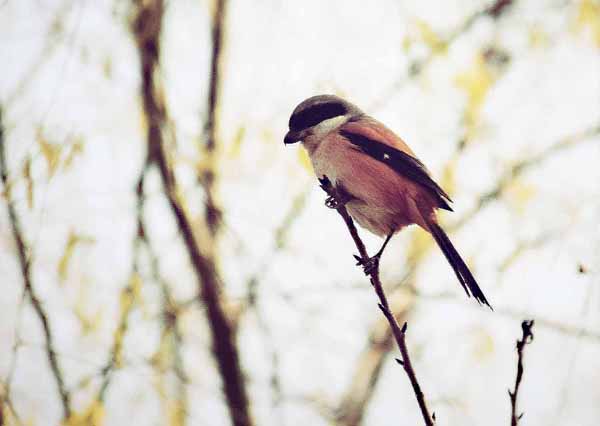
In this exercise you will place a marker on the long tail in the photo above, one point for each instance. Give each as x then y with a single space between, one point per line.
460 268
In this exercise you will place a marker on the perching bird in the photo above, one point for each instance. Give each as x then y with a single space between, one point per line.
385 186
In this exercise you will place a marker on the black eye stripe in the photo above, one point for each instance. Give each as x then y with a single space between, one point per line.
316 114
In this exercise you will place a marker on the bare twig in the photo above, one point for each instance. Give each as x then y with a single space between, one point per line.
252 301
52 41
116 351
399 333
208 174
147 27
520 167
527 337
28 291
351 409
170 322
495 10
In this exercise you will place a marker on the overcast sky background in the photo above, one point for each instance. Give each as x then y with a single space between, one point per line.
69 77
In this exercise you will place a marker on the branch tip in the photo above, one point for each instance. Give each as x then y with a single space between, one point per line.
526 338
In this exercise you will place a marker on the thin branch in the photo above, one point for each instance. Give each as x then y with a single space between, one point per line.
281 235
549 324
146 27
25 264
13 361
351 409
526 326
495 10
51 43
170 322
207 177
520 167
114 362
280 241
399 333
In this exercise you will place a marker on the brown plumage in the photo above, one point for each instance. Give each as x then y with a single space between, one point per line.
388 187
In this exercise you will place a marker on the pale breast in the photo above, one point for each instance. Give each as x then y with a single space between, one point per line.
380 195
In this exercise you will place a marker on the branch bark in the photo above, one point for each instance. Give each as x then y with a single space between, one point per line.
146 28
398 333
367 371
207 176
527 338
28 291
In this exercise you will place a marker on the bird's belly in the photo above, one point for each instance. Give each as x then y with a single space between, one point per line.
324 168
379 221
381 198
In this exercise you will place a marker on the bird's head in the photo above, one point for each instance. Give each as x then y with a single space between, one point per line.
317 116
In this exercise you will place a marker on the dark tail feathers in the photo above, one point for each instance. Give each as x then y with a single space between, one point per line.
460 268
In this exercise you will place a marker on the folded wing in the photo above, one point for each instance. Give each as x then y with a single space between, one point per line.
401 162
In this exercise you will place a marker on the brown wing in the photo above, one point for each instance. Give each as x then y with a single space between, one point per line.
371 143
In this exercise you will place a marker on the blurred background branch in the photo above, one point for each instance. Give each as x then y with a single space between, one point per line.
147 28
25 256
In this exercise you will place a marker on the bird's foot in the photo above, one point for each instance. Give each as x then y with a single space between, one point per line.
370 266
334 203
325 184
337 196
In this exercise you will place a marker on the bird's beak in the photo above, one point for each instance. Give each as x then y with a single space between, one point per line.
292 137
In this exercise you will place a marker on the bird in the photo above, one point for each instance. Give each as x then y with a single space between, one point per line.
377 177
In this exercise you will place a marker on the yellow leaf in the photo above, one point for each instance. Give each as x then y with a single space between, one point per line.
89 323
93 415
176 413
236 145
130 294
142 119
484 345
419 245
75 150
267 136
28 181
448 177
8 416
107 67
161 359
476 82
588 18
430 38
304 160
73 240
7 191
519 194
538 37
407 43
50 151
